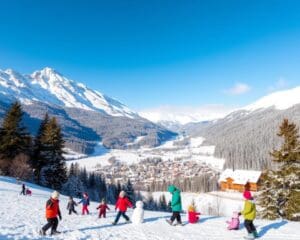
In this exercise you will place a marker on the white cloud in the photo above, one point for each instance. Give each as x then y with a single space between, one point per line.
282 83
238 89
185 115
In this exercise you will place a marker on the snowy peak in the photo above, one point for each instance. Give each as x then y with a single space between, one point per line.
279 100
49 86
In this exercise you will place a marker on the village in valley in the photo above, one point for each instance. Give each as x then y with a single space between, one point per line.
153 171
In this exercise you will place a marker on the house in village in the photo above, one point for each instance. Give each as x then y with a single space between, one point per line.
239 180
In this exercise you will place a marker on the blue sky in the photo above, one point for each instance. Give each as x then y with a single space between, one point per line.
155 53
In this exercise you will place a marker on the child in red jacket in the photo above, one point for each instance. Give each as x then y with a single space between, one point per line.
122 204
52 211
193 215
103 206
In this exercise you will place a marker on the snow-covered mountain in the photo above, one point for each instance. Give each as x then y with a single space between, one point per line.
176 118
279 100
51 87
171 116
86 116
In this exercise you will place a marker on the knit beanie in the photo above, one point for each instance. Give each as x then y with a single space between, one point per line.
247 195
55 195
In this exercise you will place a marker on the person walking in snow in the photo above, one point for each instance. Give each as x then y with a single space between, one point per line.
71 206
52 211
122 204
102 209
175 205
85 203
249 214
23 192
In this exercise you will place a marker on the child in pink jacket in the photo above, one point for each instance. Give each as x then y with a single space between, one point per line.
234 224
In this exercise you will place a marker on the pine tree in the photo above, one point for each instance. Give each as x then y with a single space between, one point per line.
284 183
54 173
163 203
128 188
268 197
14 138
38 159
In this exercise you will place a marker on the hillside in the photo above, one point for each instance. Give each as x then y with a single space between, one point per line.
245 137
22 216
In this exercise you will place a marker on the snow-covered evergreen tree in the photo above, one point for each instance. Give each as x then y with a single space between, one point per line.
268 197
282 187
38 159
54 173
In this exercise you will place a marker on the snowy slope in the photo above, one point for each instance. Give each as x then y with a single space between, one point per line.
280 100
21 217
49 86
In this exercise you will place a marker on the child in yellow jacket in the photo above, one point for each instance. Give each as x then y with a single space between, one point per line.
249 214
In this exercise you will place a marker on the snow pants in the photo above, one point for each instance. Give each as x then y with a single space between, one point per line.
102 213
72 210
85 209
52 223
176 215
249 226
121 214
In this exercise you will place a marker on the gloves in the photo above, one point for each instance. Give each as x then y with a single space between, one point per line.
239 214
60 218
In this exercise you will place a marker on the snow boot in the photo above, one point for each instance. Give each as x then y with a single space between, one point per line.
250 236
42 232
170 222
113 223
55 232
255 234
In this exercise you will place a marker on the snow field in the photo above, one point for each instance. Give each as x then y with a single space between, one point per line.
21 217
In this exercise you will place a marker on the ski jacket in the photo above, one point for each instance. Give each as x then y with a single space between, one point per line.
234 224
85 201
103 207
176 198
249 211
52 208
71 205
193 217
123 203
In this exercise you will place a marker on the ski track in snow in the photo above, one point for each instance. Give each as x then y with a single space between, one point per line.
21 217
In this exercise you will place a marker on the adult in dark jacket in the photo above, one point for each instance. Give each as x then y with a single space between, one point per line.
52 211
71 206
23 192
175 205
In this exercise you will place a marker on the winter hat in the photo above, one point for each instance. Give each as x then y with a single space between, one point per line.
55 195
139 204
191 208
122 194
247 195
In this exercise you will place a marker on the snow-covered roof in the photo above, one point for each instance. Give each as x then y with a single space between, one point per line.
240 176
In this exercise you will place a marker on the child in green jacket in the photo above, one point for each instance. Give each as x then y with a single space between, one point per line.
175 205
249 213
